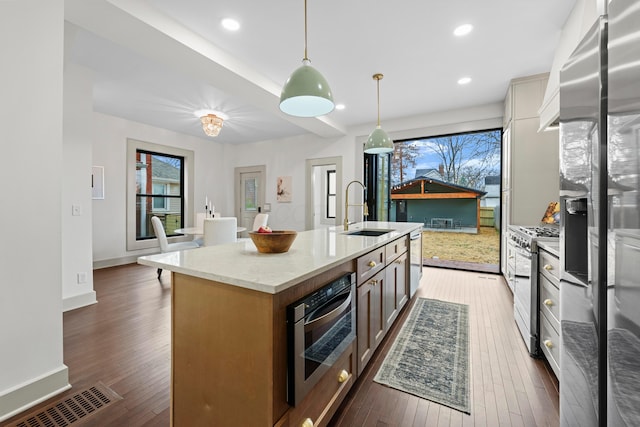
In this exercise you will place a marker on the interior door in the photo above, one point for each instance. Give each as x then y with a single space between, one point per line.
250 192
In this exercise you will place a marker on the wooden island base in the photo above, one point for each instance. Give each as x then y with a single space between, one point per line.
229 356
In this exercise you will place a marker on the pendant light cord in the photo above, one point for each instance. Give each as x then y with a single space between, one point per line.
377 77
305 31
378 82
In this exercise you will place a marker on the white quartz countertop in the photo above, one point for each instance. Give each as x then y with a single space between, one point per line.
313 252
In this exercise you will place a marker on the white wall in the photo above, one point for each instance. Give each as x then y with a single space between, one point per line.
109 150
76 190
31 359
286 157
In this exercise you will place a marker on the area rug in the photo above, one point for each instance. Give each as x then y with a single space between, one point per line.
430 356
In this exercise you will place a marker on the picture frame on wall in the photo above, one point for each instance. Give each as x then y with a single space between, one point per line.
97 182
283 189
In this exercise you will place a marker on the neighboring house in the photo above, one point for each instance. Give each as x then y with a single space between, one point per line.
436 203
492 188
165 179
430 173
159 178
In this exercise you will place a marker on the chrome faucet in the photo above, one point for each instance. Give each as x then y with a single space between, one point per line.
365 209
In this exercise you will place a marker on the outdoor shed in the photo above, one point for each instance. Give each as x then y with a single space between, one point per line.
437 204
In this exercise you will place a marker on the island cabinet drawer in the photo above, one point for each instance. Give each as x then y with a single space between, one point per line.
394 249
550 344
550 301
370 264
325 398
549 266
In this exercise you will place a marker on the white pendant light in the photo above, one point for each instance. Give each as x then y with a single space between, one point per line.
378 142
306 93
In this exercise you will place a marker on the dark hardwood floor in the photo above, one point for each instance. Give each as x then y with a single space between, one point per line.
508 387
124 342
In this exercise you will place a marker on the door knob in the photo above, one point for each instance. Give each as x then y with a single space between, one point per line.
548 302
372 264
307 423
343 376
548 343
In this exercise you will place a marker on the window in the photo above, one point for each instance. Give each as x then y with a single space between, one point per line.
159 203
159 183
331 193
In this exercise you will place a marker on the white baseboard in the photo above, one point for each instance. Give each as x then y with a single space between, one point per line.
27 395
114 262
77 301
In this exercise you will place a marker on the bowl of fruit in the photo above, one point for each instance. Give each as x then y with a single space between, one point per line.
270 241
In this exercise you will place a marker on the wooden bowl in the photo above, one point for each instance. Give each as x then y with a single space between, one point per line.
276 242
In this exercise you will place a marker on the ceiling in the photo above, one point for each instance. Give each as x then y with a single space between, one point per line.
158 61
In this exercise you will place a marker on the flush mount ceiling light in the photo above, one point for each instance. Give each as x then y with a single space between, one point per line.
211 124
464 80
306 93
378 142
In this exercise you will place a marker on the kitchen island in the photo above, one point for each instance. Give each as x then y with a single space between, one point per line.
229 335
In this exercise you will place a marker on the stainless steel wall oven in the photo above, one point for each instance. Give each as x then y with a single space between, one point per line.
320 327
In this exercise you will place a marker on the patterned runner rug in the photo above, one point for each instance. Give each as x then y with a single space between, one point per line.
430 356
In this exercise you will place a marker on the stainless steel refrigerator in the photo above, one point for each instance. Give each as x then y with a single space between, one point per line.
600 224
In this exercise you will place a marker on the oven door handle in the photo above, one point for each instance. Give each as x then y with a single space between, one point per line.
325 318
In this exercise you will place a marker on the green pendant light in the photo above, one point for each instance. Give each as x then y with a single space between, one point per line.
378 142
306 93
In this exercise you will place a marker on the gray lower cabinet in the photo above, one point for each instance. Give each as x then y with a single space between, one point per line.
549 282
382 292
395 289
370 324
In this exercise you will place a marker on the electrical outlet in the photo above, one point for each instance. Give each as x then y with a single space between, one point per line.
76 210
82 278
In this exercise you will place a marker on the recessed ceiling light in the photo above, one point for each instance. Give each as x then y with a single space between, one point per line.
463 30
464 80
339 106
230 24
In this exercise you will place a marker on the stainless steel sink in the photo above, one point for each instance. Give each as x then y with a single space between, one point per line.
371 232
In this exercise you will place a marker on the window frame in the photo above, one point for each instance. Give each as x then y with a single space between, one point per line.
133 146
329 194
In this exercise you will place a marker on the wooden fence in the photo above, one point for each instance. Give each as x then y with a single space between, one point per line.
486 217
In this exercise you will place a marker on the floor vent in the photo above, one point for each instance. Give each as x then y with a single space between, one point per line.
70 409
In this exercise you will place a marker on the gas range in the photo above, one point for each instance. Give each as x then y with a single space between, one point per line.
522 278
526 236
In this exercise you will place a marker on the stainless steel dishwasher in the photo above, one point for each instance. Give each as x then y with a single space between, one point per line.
415 255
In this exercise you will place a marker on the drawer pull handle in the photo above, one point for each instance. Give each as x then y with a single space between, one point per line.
548 302
548 267
511 256
307 423
372 264
343 376
548 343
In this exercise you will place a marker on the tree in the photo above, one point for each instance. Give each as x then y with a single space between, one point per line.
404 156
467 158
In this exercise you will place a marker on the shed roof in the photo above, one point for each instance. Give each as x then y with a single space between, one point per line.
429 188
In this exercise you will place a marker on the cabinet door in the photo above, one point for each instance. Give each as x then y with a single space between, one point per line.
395 289
402 281
370 322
